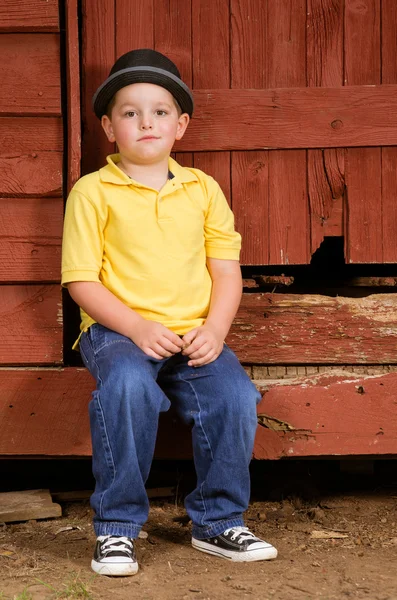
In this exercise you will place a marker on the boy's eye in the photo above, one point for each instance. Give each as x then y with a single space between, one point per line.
161 113
130 113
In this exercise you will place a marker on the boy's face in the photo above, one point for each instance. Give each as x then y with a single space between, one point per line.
144 123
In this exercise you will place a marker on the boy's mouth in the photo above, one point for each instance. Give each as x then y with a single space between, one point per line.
148 137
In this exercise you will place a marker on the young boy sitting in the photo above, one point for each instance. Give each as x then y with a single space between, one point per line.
150 255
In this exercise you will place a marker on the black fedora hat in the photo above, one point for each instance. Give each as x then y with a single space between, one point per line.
143 66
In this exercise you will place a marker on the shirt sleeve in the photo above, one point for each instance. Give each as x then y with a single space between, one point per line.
82 244
221 239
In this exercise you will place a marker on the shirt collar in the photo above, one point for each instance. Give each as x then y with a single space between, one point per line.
112 174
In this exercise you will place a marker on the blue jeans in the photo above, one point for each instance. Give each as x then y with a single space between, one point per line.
218 400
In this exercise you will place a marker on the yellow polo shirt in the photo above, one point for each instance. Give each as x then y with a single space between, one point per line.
149 247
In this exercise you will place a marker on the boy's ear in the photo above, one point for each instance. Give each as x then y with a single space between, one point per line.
183 122
108 128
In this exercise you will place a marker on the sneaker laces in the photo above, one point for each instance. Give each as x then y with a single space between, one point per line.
243 533
116 544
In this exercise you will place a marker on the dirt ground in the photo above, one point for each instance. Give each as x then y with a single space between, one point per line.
354 555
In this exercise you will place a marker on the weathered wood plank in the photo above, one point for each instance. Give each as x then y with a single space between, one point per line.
288 208
98 55
250 170
134 24
31 174
30 325
312 329
216 164
389 155
363 242
288 205
31 156
172 27
30 240
172 31
44 412
351 116
30 135
250 176
29 15
211 37
30 74
27 505
325 167
73 93
330 417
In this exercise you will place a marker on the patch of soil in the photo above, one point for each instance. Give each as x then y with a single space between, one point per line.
357 560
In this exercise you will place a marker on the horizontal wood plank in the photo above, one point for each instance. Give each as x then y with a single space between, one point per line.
313 329
30 240
31 156
30 74
30 325
29 15
292 118
329 416
44 412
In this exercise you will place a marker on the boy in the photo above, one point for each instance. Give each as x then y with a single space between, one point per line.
151 257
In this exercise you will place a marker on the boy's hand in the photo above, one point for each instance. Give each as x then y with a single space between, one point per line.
203 345
155 339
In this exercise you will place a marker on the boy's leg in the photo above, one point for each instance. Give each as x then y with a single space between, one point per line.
124 414
220 400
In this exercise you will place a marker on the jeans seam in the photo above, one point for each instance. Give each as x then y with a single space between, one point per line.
98 350
208 442
107 437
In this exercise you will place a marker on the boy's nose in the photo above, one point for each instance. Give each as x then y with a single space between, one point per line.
146 122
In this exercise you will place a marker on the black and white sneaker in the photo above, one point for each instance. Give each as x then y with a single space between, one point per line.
114 555
236 543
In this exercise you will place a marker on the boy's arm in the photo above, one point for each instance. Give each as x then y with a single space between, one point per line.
205 343
105 308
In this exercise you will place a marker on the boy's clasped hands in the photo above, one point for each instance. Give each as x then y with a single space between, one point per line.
202 344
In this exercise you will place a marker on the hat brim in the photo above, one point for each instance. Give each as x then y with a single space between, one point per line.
120 79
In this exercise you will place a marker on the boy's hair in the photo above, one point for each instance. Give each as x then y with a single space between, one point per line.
142 66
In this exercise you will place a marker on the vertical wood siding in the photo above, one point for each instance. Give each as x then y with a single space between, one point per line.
286 197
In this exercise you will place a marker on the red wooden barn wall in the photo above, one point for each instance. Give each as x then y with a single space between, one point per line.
300 78
31 174
296 117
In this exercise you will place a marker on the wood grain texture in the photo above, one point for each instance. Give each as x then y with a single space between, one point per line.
216 164
351 116
312 329
30 240
250 176
31 156
172 26
363 243
211 68
134 25
173 34
29 135
329 417
325 168
389 155
44 412
250 170
98 55
288 204
29 15
30 74
30 325
73 93
289 225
